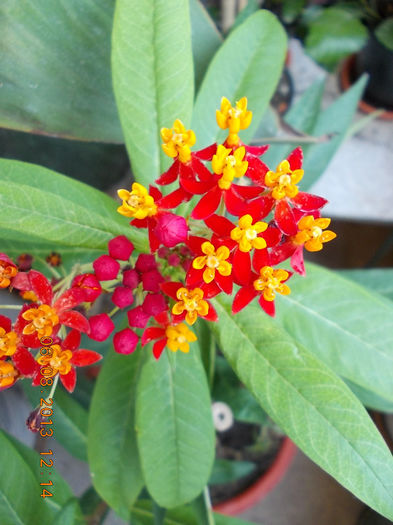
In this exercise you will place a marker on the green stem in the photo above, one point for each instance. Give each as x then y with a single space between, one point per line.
112 312
208 505
10 306
52 390
291 140
49 267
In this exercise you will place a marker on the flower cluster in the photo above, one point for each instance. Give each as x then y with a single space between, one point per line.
244 220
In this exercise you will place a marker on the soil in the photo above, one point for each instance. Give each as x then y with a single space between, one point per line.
238 443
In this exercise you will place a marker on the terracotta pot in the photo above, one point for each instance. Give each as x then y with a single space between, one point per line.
348 76
266 483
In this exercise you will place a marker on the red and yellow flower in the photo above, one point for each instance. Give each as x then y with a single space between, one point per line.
233 118
189 303
8 270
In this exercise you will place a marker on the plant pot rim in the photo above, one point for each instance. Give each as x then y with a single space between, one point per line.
345 83
266 483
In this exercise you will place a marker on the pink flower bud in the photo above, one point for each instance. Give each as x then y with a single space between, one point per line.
154 304
90 285
122 296
174 260
106 268
171 229
120 248
145 263
163 252
125 341
130 279
151 281
137 317
101 327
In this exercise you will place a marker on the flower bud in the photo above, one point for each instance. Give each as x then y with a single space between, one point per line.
122 297
125 341
145 263
137 317
130 279
101 327
171 229
90 285
120 248
151 281
154 304
106 268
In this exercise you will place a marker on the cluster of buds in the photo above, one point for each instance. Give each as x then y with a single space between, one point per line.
191 260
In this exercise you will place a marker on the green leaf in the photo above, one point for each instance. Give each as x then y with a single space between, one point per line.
379 280
142 512
69 417
69 514
370 399
152 77
20 490
347 326
206 39
384 33
174 427
328 46
251 8
309 402
56 69
112 448
249 64
226 471
55 209
331 124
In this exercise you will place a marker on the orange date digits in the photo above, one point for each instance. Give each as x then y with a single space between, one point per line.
44 339
44 432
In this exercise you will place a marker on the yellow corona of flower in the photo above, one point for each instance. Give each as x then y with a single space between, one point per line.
214 260
137 203
29 295
58 360
7 272
192 302
283 181
233 118
270 282
42 320
246 234
8 373
229 165
311 233
178 141
8 342
179 337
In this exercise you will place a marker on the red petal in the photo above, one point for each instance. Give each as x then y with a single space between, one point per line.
25 362
247 192
200 169
211 314
297 261
162 318
154 242
194 277
72 341
198 188
272 236
225 283
75 320
282 252
243 297
295 159
21 281
84 357
241 266
195 243
152 333
208 204
257 150
206 153
140 223
41 286
170 288
210 290
261 258
307 202
5 323
170 175
256 170
155 193
221 226
158 347
172 200
267 306
285 220
69 299
69 380
233 203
